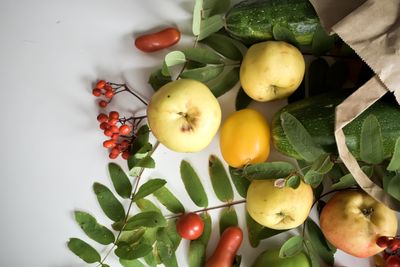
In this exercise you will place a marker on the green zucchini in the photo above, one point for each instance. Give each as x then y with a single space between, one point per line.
253 21
317 114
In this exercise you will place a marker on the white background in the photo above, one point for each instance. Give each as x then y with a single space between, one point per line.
51 51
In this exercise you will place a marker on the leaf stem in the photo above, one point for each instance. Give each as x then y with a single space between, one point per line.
137 181
229 204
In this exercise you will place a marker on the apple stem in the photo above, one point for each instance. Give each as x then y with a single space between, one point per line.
229 204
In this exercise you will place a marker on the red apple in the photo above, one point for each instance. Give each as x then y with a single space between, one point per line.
353 221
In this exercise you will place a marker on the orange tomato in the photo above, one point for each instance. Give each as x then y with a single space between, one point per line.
245 138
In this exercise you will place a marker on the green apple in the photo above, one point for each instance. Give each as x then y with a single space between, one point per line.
278 207
184 115
271 70
270 258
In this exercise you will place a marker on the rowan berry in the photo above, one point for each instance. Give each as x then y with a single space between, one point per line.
115 136
96 92
112 121
108 132
104 125
109 94
112 156
103 104
109 143
115 151
124 129
102 117
114 115
125 155
114 129
100 84
124 144
108 87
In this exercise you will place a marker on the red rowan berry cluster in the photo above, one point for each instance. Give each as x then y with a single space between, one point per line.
391 255
121 131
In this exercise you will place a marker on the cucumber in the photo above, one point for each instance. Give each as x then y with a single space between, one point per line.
253 21
317 114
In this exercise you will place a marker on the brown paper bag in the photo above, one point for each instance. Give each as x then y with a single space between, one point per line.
372 29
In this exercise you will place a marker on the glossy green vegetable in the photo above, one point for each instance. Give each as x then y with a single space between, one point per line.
253 21
317 114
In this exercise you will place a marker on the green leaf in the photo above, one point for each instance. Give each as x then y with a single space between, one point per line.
320 167
321 42
105 265
197 248
227 218
345 182
318 242
394 164
213 7
198 7
131 252
205 236
242 100
83 250
165 249
141 141
293 181
240 182
224 45
146 162
172 59
169 200
92 229
172 234
317 191
219 179
317 74
120 180
202 55
348 179
311 254
193 184
149 219
291 247
282 33
225 83
109 203
150 259
210 25
197 254
132 237
131 263
203 74
371 145
299 138
393 187
157 79
148 188
269 170
256 232
146 205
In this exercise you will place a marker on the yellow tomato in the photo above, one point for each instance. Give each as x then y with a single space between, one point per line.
244 138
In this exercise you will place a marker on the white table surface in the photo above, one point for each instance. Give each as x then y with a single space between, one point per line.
50 53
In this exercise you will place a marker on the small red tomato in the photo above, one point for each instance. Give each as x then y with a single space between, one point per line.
393 261
158 40
190 226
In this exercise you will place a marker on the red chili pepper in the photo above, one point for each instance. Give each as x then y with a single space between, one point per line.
158 40
228 245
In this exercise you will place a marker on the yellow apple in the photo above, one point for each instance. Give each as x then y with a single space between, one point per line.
184 115
278 207
271 70
352 221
